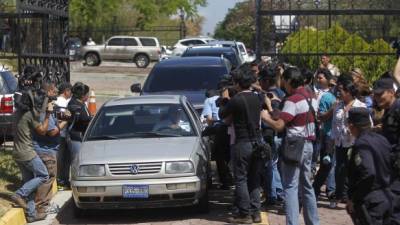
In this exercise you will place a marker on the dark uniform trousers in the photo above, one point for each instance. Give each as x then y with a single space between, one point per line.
376 209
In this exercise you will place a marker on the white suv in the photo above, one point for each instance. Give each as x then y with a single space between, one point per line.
183 44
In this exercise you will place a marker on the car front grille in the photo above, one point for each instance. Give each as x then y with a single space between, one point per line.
120 169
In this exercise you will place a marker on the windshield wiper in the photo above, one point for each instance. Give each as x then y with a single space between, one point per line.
103 137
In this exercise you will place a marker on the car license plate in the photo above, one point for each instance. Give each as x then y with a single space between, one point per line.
135 191
71 52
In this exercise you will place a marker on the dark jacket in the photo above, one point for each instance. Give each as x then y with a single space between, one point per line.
80 115
369 167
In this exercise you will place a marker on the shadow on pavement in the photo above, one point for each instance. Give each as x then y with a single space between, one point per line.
220 202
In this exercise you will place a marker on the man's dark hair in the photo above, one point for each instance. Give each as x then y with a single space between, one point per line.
244 77
63 87
268 75
79 90
348 85
307 75
327 73
294 77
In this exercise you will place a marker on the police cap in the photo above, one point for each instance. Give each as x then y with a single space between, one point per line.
359 116
383 84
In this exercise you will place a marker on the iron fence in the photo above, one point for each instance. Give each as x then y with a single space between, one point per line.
320 24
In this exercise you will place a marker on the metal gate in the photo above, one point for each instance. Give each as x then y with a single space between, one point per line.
36 34
351 31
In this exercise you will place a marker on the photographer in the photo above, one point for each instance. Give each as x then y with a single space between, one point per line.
244 111
298 119
33 170
64 155
273 186
46 146
80 114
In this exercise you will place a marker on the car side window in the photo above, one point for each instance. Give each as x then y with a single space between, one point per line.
194 114
199 42
188 43
130 42
115 42
148 41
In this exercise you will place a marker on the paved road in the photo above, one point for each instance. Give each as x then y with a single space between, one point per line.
219 211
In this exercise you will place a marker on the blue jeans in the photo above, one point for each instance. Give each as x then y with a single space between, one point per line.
247 173
34 173
274 187
292 177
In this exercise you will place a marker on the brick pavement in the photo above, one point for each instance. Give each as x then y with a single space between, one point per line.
327 216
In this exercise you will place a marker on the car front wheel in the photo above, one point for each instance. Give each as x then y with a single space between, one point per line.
92 59
142 61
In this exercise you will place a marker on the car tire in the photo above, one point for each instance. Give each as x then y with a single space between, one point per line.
92 59
142 61
203 206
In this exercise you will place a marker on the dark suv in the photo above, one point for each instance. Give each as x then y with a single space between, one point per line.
8 85
188 76
224 52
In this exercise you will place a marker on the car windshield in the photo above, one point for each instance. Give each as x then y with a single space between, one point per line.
141 121
8 83
184 78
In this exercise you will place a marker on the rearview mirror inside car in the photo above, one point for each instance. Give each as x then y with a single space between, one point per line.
136 88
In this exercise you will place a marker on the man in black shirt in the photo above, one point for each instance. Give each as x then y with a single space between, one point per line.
243 110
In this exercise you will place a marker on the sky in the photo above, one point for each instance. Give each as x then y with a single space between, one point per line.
215 12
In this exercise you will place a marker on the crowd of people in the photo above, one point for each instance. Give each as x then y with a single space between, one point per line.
43 150
327 128
279 135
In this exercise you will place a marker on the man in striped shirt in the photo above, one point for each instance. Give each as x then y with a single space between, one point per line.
298 120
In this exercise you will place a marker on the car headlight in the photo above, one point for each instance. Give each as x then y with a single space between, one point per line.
92 171
179 167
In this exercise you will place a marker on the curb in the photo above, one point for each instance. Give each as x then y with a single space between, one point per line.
16 216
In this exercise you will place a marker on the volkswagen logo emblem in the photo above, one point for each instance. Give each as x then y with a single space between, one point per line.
134 169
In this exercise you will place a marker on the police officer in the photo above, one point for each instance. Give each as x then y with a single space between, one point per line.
370 198
385 97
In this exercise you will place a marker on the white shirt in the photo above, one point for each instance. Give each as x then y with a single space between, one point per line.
340 130
63 103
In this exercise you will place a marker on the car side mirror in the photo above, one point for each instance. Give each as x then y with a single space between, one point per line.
136 88
75 136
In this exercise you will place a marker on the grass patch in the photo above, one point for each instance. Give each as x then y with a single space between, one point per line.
10 179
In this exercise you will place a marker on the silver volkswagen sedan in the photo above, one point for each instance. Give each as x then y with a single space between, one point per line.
142 152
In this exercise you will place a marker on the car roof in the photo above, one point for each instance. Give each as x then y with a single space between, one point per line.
126 36
223 42
146 99
196 38
191 62
211 49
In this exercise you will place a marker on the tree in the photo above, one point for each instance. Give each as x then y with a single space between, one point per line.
239 24
338 40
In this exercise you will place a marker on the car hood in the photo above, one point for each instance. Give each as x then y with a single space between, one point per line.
138 150
195 97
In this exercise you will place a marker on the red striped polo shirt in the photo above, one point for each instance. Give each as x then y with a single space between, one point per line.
297 115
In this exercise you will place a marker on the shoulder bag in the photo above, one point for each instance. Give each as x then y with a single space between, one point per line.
261 150
292 151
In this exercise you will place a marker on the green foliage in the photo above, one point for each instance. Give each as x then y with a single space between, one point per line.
102 13
338 40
